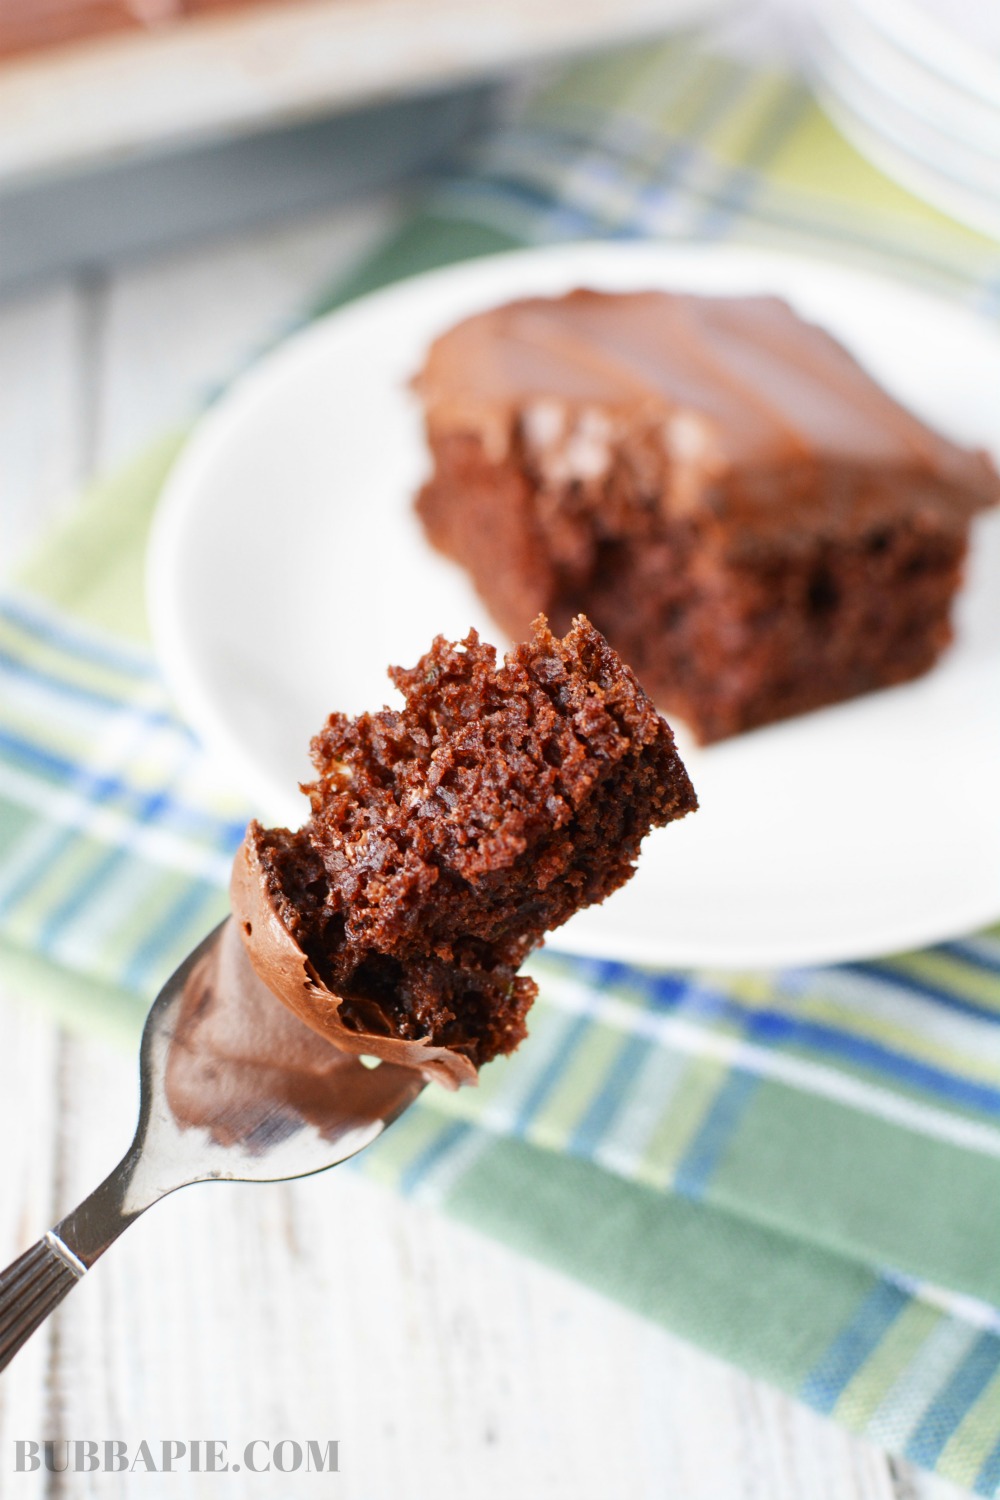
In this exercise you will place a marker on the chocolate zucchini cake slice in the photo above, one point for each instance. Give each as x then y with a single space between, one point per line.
752 521
448 836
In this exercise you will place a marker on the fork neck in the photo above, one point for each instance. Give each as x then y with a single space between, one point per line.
97 1222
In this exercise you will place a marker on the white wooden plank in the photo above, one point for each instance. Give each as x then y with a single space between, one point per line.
43 442
28 1089
42 345
180 325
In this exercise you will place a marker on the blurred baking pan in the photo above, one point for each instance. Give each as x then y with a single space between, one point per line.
125 124
213 70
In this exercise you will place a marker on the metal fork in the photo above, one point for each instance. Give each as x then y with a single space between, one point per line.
234 1089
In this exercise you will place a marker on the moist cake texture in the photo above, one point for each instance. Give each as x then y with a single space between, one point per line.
448 836
755 525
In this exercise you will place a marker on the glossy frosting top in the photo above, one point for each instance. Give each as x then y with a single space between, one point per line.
730 383
242 1066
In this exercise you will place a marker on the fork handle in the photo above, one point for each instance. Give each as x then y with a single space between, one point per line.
34 1284
31 1287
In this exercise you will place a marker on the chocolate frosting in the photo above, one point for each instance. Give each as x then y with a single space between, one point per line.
285 970
726 386
242 1066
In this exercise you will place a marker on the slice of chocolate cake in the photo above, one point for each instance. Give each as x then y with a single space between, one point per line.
749 518
448 836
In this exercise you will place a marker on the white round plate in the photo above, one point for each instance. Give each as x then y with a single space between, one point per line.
287 569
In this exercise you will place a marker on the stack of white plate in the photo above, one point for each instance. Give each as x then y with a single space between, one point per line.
915 85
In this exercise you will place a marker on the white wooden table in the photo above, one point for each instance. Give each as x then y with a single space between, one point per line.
444 1365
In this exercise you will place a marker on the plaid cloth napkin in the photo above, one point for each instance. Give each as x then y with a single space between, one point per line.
800 1170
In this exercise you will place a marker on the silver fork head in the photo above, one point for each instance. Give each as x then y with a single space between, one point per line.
237 1088
234 1088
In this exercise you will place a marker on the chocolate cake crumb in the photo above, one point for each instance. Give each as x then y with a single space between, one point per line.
448 836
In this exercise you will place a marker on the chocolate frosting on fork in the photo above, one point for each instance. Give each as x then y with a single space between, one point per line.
286 971
242 1066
